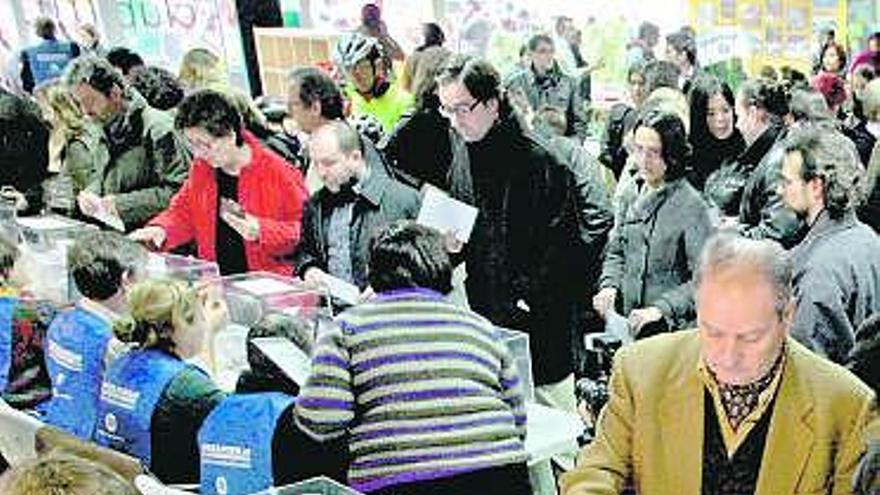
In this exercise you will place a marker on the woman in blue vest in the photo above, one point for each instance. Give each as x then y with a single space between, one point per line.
152 401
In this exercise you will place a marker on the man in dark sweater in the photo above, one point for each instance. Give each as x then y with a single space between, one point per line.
736 407
525 258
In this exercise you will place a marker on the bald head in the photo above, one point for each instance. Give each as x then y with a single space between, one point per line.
335 150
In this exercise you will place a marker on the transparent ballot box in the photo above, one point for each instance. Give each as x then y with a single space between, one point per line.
518 344
251 297
185 268
51 230
314 486
44 242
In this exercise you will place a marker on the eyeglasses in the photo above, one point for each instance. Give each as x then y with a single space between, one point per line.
648 153
459 110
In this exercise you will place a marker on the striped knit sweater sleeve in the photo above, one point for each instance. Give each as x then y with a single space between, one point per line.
325 406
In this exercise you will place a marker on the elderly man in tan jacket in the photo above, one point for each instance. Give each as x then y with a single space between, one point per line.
736 407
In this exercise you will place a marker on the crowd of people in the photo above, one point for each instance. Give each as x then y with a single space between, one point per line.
737 242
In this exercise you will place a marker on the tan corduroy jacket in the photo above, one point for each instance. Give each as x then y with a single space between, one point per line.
650 434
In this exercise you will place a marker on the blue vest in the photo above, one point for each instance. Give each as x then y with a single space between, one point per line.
235 443
132 387
7 311
75 347
48 59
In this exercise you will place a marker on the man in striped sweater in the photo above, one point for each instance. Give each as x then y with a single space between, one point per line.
426 391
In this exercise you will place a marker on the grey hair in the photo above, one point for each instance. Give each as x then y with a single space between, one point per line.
726 251
871 100
832 157
97 73
809 105
347 138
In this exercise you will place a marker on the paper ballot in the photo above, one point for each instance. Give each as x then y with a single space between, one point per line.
263 286
441 212
342 290
109 218
287 356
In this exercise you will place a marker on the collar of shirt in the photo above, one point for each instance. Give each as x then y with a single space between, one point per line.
734 430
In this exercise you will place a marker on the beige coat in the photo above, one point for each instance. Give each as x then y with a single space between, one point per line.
651 431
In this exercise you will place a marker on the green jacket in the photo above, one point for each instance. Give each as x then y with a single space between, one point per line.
144 162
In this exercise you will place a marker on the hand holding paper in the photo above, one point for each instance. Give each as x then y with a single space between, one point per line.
442 212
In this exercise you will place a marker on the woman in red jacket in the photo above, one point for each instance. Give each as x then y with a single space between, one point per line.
241 203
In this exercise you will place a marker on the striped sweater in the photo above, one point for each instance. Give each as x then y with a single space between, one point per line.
425 389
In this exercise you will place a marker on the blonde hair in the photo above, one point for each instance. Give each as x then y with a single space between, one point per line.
69 119
157 308
64 474
202 69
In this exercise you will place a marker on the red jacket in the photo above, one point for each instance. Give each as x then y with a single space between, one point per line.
268 188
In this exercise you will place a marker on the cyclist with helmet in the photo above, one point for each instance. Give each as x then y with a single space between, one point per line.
370 87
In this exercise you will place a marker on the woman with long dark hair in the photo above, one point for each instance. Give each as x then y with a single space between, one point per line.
714 137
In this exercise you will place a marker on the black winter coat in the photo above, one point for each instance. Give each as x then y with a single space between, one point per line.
524 256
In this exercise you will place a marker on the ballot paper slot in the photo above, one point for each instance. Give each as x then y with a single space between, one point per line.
46 231
287 357
183 268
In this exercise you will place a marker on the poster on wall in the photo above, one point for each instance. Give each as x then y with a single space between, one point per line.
162 31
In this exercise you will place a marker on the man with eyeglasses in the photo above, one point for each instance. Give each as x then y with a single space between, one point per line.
545 84
524 258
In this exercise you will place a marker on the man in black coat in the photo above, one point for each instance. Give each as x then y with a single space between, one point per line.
525 257
356 202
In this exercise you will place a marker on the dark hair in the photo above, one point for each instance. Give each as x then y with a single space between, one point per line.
477 75
769 72
791 76
841 53
315 85
831 157
765 94
409 255
159 87
9 254
98 262
96 72
433 35
682 42
647 30
661 74
211 111
637 67
704 87
124 59
44 27
673 139
537 39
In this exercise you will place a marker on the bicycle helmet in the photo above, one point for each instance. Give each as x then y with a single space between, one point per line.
354 47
